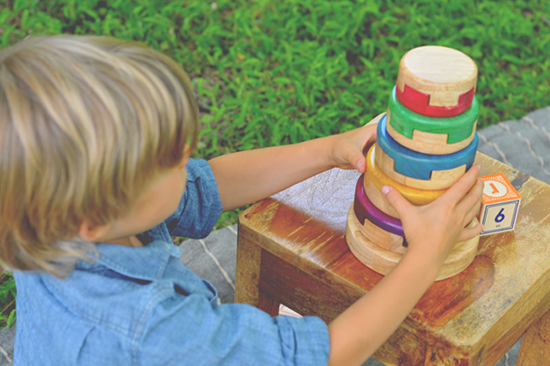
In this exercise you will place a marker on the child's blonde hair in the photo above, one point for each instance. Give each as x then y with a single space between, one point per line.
86 123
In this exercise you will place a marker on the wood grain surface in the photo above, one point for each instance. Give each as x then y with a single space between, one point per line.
469 319
441 72
381 251
536 350
429 143
379 200
457 128
421 166
420 103
439 179
377 177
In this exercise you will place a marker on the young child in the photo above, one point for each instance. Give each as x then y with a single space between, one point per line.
96 136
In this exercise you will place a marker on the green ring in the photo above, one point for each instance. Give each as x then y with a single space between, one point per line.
458 128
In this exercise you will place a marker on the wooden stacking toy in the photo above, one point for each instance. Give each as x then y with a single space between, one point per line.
426 141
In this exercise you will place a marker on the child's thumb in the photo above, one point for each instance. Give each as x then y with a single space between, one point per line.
356 159
396 200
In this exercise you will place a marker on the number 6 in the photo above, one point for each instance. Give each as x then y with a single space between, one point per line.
499 216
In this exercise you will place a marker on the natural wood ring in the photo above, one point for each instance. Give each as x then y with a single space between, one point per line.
383 260
437 81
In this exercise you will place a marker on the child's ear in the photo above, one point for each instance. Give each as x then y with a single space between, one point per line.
186 156
92 232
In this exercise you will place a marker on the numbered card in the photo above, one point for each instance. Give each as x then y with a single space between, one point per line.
500 205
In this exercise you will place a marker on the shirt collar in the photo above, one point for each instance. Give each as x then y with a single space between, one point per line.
147 263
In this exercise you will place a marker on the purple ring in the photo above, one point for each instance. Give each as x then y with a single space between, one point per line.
365 209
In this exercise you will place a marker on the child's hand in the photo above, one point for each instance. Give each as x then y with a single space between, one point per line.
249 176
431 232
434 229
348 149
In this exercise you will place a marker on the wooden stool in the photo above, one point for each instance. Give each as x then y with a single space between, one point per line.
473 318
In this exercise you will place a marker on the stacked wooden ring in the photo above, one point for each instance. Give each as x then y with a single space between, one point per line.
426 141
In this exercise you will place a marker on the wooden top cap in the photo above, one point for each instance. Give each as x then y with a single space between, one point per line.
445 76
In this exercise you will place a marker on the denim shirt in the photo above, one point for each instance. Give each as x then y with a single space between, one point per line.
141 306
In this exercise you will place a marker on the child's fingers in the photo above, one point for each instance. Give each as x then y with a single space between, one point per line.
397 201
471 203
466 182
355 157
360 164
470 232
369 130
469 218
473 198
472 213
349 149
463 186
376 119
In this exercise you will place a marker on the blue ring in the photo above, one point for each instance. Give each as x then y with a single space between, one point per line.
418 165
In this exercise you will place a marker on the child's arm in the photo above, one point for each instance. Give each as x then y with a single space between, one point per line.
249 176
431 232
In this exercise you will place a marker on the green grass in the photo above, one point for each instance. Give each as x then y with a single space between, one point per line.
277 72
7 299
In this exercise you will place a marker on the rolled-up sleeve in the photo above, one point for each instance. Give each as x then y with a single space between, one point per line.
200 206
193 332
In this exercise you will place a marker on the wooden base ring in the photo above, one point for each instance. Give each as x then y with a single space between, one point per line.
382 260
